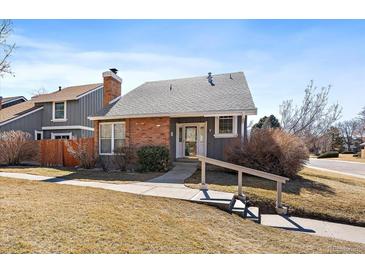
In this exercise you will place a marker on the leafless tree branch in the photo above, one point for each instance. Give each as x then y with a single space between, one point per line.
6 49
313 117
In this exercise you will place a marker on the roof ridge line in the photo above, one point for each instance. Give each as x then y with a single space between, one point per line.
218 74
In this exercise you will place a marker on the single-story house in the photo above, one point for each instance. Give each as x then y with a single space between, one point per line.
190 116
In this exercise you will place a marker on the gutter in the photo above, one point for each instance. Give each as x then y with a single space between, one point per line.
176 115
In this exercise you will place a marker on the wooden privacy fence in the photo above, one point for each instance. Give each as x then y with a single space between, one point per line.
55 152
241 169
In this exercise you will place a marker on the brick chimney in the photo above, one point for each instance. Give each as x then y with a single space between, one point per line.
1 101
112 86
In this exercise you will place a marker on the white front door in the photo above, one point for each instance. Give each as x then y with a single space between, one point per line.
191 139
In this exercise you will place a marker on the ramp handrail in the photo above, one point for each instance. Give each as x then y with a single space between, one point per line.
241 169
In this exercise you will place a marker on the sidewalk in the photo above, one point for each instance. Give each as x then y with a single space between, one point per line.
179 191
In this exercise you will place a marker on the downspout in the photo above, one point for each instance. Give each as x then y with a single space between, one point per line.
244 136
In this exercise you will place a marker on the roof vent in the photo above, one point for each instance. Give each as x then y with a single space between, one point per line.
210 79
230 76
114 70
59 88
170 87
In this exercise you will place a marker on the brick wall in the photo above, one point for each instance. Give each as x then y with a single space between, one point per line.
148 131
141 132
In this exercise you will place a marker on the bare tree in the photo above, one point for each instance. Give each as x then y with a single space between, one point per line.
39 91
6 48
17 146
81 151
362 114
348 129
361 128
313 117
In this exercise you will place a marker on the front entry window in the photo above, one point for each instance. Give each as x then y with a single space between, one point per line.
190 141
112 137
106 138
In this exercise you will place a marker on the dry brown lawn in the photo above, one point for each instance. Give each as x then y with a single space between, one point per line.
46 218
116 177
315 194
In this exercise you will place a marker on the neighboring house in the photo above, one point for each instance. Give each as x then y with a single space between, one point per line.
191 116
362 154
11 101
61 114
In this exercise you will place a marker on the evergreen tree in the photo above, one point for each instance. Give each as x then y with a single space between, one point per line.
267 122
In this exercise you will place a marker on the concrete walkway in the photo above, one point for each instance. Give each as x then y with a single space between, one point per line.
338 166
320 228
171 189
178 174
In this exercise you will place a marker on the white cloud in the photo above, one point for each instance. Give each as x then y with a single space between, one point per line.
48 65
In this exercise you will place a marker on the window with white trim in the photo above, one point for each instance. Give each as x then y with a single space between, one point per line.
225 126
59 111
62 135
111 137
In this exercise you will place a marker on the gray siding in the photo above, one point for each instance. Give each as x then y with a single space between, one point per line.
77 110
28 123
89 105
215 146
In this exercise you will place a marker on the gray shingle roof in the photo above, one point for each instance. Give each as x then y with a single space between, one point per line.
189 95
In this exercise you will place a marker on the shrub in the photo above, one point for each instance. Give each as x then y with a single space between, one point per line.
153 158
329 154
82 152
17 146
358 154
104 162
270 150
123 157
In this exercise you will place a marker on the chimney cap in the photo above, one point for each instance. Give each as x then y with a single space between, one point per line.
114 70
110 73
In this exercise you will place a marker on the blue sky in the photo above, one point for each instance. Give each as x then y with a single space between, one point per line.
279 57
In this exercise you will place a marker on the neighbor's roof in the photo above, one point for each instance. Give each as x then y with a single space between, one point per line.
16 110
196 95
68 93
8 99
